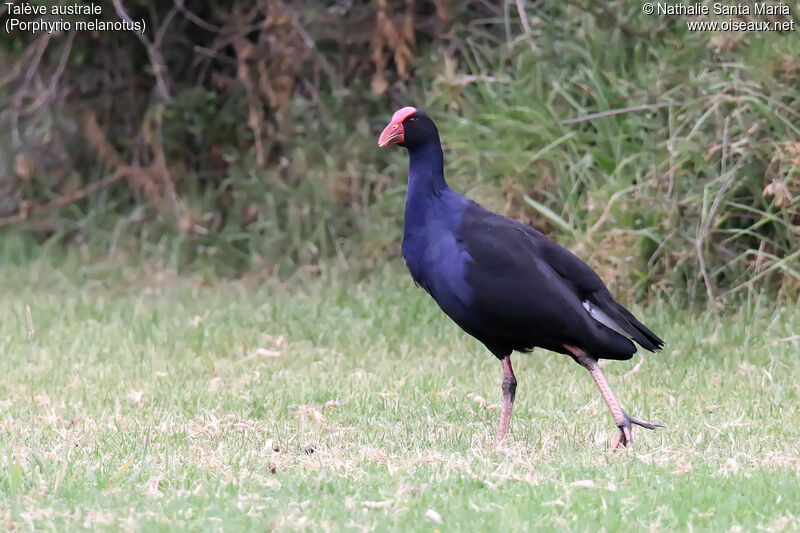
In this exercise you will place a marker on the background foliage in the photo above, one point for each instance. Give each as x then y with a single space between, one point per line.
242 135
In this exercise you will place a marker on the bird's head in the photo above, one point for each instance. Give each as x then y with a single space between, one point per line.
408 128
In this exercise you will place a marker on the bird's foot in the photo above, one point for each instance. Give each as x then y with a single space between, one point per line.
625 436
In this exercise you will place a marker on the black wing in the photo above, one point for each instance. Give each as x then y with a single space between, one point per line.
530 291
590 288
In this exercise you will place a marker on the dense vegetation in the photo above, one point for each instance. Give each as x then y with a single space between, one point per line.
244 137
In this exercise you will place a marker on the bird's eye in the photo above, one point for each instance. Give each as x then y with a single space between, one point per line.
412 119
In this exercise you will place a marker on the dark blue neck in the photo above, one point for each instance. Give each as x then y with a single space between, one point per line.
425 172
426 186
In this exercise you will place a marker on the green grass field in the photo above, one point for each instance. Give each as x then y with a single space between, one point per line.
148 401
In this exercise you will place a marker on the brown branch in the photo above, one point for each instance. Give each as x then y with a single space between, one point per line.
31 50
97 140
52 86
156 59
27 210
194 18
612 112
22 91
164 25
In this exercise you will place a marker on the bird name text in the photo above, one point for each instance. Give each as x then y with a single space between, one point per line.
33 18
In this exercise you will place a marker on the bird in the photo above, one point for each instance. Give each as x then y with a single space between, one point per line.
505 283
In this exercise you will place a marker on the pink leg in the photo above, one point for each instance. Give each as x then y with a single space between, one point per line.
509 387
621 418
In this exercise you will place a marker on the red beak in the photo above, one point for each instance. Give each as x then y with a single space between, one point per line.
393 133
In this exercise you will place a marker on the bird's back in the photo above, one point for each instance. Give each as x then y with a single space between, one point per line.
514 289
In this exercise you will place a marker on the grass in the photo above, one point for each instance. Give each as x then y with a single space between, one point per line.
147 401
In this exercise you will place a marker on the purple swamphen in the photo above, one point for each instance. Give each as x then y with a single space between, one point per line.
504 283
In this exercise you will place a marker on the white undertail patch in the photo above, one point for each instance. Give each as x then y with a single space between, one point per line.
603 318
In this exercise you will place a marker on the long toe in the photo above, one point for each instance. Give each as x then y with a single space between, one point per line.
617 441
625 435
640 422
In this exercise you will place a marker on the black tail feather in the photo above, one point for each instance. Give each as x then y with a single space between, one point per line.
640 333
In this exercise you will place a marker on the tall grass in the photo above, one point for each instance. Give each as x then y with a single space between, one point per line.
697 193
